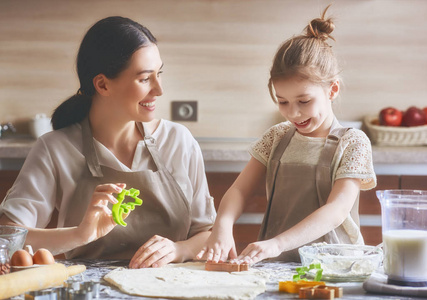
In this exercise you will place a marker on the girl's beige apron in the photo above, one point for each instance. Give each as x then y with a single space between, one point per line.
165 210
296 190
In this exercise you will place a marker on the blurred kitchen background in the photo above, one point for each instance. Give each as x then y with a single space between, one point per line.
218 53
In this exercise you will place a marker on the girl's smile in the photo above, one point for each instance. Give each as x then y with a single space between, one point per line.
306 104
303 124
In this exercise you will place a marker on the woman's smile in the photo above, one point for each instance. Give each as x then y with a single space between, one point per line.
149 105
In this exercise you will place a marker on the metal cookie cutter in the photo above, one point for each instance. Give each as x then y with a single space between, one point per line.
46 294
72 290
82 290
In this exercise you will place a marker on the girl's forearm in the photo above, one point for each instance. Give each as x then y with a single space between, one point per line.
311 228
324 219
230 208
192 246
242 190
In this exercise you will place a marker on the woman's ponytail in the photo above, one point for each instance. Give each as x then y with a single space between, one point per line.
71 111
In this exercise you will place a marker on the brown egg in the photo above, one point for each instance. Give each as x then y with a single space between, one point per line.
21 258
43 257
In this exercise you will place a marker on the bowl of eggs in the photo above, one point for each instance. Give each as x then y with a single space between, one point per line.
13 237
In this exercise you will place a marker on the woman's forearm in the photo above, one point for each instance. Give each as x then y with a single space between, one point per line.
56 240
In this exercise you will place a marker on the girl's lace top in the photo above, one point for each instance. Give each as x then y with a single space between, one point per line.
353 158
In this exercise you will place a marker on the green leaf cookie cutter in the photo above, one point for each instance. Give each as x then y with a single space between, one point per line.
120 209
301 271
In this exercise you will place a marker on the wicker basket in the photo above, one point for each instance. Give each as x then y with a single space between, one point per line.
395 136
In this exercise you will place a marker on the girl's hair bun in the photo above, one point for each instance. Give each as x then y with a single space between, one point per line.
320 28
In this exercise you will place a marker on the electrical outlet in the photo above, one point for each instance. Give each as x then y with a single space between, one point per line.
184 111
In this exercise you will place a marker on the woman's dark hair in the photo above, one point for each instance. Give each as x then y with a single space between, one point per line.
106 49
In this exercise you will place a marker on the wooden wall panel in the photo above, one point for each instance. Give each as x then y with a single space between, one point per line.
218 53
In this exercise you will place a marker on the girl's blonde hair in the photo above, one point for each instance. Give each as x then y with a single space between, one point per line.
308 55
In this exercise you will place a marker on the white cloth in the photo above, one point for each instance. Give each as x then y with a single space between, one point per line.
48 177
353 158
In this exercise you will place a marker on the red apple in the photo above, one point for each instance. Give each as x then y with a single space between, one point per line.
414 116
425 111
390 116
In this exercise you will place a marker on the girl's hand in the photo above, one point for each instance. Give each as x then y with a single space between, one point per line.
98 221
156 252
219 247
258 251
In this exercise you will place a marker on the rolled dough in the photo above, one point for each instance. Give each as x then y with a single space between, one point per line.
188 281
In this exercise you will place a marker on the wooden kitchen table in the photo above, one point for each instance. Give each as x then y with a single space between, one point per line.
96 269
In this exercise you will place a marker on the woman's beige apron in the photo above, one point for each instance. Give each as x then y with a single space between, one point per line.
165 210
294 191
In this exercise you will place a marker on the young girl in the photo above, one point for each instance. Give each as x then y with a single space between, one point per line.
106 138
313 167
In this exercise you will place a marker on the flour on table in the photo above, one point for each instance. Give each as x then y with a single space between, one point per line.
188 281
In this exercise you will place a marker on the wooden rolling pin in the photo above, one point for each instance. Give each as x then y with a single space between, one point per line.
35 279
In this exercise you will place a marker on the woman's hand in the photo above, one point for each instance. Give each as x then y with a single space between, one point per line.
219 247
98 221
156 252
258 251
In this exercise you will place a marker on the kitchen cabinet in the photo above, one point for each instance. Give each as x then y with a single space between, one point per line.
7 178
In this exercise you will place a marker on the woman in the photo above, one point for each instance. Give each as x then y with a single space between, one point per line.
106 139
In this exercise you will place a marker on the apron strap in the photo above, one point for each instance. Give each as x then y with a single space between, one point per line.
324 174
283 144
273 164
150 143
272 168
89 150
324 167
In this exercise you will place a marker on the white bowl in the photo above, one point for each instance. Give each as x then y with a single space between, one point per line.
343 262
